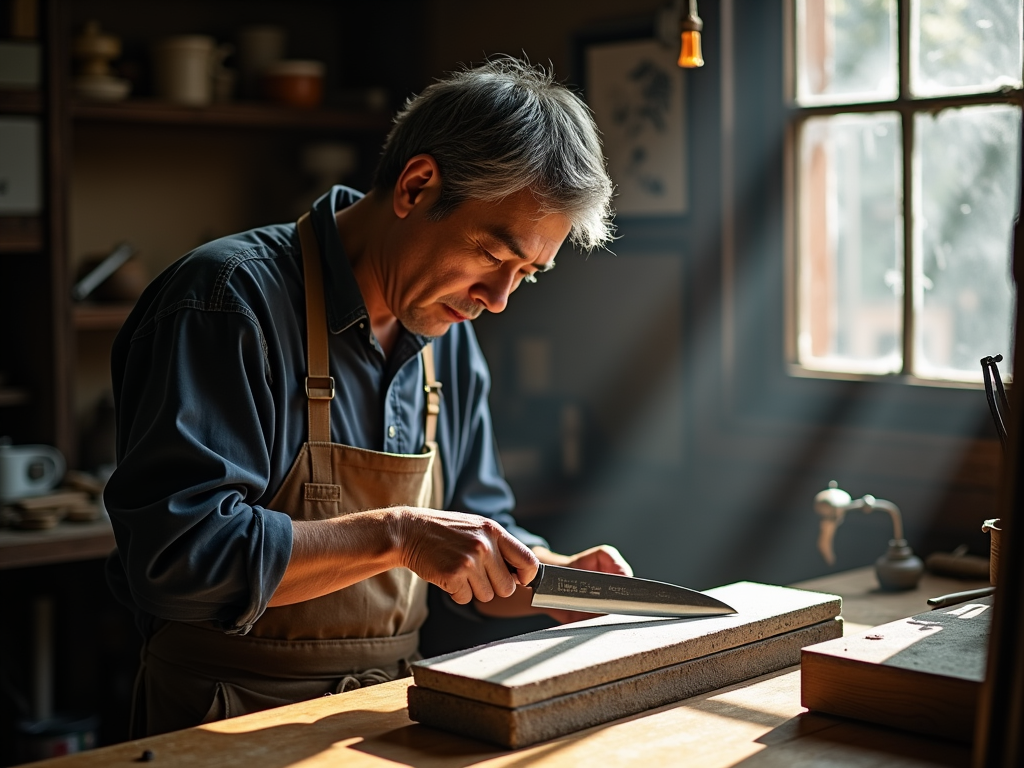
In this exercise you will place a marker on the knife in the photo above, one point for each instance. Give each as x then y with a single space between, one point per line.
572 589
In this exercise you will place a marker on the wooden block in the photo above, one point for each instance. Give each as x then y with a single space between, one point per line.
572 712
921 674
553 662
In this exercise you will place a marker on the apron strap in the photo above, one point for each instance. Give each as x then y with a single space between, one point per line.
433 389
319 382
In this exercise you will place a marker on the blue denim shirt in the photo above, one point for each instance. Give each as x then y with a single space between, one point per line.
208 374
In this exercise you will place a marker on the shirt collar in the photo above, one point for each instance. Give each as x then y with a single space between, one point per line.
343 300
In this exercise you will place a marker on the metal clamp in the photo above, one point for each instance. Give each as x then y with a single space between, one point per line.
320 387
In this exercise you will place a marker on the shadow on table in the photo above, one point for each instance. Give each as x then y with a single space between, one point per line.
418 746
333 737
835 741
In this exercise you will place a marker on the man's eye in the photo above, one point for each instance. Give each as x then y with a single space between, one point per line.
491 258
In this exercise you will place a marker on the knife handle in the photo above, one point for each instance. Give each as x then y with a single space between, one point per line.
536 579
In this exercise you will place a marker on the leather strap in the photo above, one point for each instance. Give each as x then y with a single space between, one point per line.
319 383
433 389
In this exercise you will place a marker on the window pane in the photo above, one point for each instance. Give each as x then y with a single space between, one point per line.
966 163
846 51
965 46
851 244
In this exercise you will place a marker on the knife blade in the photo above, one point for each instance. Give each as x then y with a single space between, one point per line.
572 589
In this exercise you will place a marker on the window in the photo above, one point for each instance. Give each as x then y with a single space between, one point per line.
904 145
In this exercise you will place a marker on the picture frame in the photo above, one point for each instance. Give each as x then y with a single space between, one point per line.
637 93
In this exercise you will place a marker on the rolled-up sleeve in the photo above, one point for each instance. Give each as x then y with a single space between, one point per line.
195 431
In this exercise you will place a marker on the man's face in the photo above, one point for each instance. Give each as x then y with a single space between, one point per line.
444 272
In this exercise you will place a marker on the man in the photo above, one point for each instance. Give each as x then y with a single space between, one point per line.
298 405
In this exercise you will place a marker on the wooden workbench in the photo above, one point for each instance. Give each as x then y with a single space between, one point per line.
756 724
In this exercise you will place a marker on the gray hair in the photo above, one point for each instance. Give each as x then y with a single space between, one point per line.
500 128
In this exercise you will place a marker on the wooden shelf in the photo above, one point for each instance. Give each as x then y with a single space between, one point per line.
67 542
235 115
20 102
100 317
21 234
13 396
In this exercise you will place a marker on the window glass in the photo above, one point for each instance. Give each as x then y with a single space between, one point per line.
846 51
966 166
850 243
963 46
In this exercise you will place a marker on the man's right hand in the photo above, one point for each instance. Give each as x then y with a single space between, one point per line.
468 556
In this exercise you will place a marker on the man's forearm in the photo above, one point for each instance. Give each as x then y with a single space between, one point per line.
328 555
466 555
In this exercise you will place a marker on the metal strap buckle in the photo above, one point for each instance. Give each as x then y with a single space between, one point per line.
320 387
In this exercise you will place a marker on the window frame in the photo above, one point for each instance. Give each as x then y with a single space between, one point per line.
906 106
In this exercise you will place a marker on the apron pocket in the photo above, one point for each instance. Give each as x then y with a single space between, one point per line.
230 700
321 492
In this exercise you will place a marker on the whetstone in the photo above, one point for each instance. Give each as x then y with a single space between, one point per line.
553 662
921 674
522 726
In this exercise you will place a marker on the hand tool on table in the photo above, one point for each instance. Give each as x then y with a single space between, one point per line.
944 601
572 589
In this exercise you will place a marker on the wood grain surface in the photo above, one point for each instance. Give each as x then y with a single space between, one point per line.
922 673
755 724
758 724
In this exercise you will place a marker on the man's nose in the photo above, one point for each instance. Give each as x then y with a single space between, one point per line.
494 290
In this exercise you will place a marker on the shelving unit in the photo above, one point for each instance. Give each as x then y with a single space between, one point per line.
146 172
21 234
10 396
100 317
245 115
110 171
20 102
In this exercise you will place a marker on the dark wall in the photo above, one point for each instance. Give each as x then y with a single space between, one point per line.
702 453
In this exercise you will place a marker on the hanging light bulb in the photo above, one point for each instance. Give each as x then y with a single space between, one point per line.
690 27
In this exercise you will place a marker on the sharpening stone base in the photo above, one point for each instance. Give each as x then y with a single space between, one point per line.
541 665
522 726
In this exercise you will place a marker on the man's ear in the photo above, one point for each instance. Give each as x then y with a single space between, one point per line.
418 185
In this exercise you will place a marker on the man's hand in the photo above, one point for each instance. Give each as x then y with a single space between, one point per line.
603 558
468 556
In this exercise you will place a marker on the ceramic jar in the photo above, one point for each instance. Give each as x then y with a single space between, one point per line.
294 82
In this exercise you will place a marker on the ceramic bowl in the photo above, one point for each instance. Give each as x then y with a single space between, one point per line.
295 83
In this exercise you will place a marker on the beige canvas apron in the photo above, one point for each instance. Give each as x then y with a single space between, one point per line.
365 633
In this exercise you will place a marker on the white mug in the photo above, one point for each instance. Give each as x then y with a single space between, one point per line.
183 68
28 470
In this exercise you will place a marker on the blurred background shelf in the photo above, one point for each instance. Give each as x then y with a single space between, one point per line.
100 317
67 542
233 115
13 396
20 102
21 234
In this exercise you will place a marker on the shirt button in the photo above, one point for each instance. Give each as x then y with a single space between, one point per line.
391 431
362 325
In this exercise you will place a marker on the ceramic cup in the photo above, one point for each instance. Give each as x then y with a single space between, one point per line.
28 470
183 66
